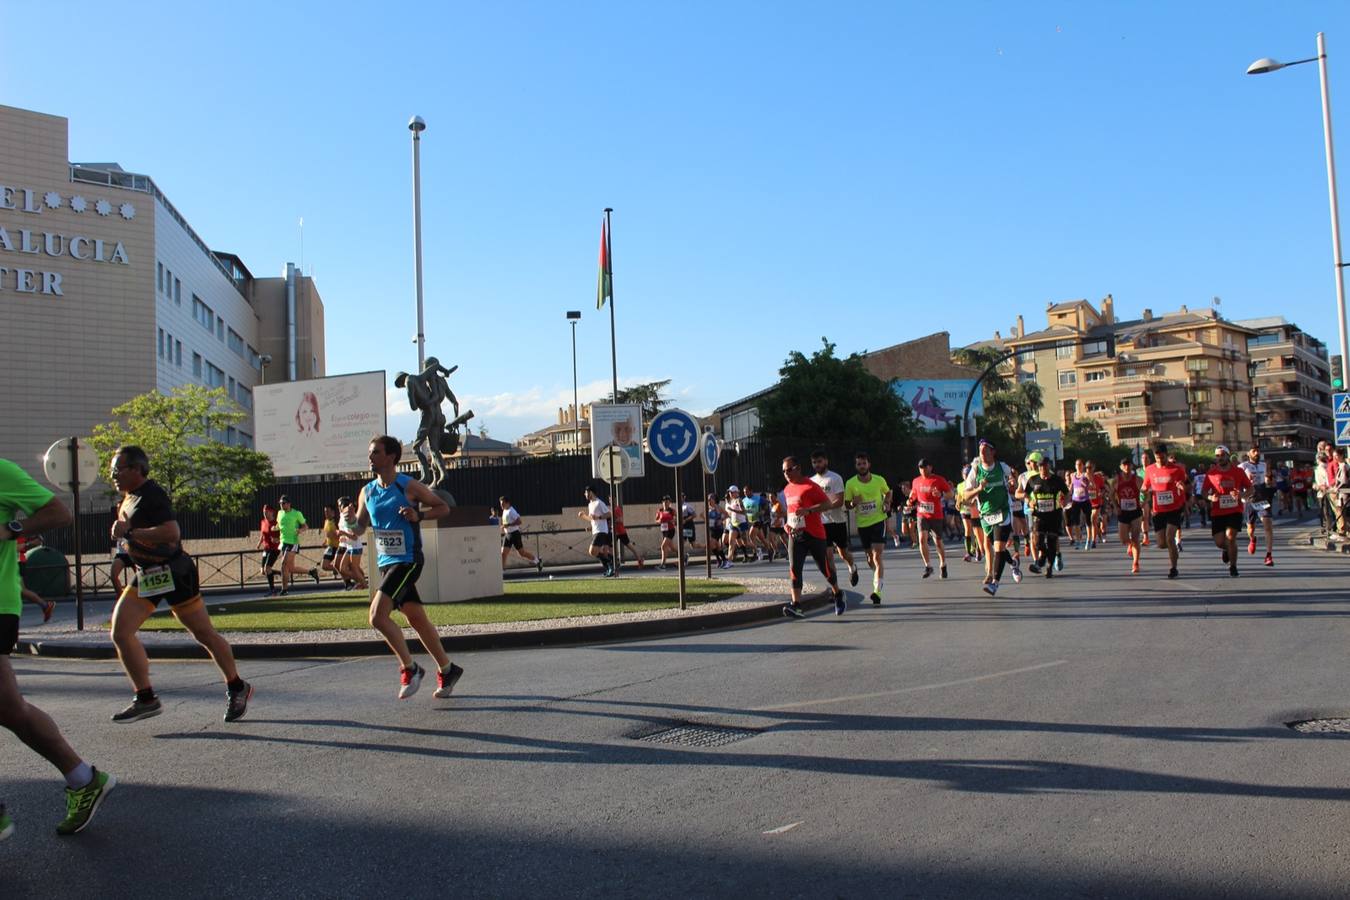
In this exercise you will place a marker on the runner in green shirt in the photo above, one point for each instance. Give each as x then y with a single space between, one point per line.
26 507
991 483
291 522
870 496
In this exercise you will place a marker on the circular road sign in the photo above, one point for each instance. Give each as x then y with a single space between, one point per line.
57 466
613 464
672 438
710 452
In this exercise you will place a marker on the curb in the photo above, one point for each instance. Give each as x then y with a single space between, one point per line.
498 640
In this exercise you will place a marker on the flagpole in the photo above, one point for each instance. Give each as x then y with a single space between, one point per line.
614 499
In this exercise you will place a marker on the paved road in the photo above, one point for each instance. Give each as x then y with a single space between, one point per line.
1097 735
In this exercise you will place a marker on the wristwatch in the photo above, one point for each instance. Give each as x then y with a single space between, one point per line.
15 527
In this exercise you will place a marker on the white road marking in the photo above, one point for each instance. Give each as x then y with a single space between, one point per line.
912 690
783 829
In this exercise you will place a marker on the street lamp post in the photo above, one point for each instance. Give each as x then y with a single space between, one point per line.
1262 66
574 316
264 361
417 125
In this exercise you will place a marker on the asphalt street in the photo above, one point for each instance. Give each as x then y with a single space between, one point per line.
1095 735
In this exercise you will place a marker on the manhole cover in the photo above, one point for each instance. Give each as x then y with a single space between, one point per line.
690 735
1322 726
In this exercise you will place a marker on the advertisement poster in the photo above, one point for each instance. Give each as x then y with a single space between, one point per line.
617 425
937 403
321 426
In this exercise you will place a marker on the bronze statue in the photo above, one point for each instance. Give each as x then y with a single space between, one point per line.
427 390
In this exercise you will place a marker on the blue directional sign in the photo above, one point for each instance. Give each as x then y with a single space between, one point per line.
672 438
1340 411
711 452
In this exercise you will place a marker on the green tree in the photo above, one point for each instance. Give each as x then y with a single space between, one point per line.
200 474
648 395
1010 410
824 398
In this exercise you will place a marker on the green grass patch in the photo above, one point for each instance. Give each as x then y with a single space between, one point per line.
523 601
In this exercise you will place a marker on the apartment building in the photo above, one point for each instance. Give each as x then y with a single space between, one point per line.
1180 377
1291 388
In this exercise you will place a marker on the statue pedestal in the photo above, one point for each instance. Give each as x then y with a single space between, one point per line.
463 554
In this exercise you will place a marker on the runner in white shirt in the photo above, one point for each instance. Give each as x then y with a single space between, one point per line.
511 540
598 514
835 519
352 546
1256 508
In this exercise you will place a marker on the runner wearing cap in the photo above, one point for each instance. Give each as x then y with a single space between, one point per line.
870 496
834 518
991 483
1226 487
1166 483
1044 493
926 496
1126 488
806 500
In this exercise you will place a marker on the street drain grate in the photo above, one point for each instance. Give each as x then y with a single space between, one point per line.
1321 726
690 735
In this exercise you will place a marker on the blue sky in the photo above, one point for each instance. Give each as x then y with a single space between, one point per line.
780 172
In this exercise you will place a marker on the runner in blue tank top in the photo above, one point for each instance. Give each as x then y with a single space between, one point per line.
389 506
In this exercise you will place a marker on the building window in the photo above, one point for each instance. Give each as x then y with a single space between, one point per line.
1096 376
254 360
177 292
1063 350
1068 379
160 347
178 354
159 277
243 396
230 389
1197 365
1097 407
220 328
202 313
1094 348
245 440
214 377
196 365
1202 428
235 342
1199 396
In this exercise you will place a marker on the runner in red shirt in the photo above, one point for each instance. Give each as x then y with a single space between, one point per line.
665 518
623 542
1300 480
1126 489
806 535
1226 487
925 499
1166 483
1096 497
269 542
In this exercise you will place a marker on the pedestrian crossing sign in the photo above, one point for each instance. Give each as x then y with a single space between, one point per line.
1340 404
1343 432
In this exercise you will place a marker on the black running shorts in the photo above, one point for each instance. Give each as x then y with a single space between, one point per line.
512 541
398 581
9 634
872 534
1163 519
836 533
174 581
1220 524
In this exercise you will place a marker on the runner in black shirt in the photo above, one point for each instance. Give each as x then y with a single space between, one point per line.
146 525
1044 494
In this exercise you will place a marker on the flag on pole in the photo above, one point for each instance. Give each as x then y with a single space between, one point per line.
605 283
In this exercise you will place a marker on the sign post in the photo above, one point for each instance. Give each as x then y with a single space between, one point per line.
70 465
1340 413
710 452
673 440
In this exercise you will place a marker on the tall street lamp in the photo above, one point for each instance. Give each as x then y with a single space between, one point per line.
1262 66
417 125
574 316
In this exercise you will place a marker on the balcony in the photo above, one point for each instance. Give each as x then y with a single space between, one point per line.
1133 416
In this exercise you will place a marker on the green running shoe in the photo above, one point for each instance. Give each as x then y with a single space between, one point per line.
82 803
6 823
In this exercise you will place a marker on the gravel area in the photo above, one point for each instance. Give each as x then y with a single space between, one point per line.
758 592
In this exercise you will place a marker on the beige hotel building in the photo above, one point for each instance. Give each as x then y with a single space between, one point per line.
108 292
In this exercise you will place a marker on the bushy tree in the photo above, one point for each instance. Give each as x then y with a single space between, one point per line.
823 398
200 473
649 396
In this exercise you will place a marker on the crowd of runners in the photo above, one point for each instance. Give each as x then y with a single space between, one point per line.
1013 521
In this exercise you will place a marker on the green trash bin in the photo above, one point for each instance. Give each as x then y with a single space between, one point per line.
46 573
